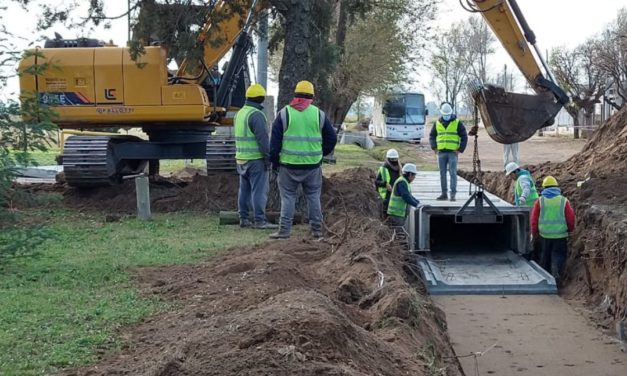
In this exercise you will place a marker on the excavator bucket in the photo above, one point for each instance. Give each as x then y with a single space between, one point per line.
512 117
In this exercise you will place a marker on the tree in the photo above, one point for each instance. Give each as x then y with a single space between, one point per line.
611 58
370 47
449 63
24 126
479 42
577 73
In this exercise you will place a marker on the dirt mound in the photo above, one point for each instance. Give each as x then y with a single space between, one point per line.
597 265
350 190
342 306
202 193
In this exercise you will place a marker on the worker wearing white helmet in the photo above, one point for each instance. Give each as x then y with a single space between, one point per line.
525 192
401 196
387 175
448 138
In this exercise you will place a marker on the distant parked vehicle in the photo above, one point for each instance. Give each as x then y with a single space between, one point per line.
399 117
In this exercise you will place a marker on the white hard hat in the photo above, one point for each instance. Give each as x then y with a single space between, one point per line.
391 154
446 109
511 167
410 167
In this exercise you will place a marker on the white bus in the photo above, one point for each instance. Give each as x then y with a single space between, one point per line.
399 117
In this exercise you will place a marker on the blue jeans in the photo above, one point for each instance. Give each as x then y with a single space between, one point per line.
253 190
448 159
289 181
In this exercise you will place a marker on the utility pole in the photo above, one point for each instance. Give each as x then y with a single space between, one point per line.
262 50
128 19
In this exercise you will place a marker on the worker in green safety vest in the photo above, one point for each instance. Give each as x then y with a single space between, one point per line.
448 138
525 192
301 135
401 196
552 219
387 175
252 153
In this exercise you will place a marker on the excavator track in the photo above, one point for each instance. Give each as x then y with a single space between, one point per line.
90 161
221 155
86 161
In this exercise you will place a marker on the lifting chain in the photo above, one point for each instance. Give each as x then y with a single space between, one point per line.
477 175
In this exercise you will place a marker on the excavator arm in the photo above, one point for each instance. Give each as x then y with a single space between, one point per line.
227 23
513 117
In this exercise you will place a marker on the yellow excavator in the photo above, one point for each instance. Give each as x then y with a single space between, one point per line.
93 86
513 117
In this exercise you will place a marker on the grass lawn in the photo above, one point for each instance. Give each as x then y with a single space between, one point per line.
62 307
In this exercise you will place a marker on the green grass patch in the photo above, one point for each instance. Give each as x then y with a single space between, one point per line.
62 307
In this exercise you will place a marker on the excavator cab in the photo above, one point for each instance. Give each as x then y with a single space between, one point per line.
512 117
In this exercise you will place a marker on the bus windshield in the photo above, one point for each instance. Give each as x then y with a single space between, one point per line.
405 109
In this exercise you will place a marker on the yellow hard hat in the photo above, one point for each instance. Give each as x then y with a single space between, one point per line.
549 181
255 90
304 87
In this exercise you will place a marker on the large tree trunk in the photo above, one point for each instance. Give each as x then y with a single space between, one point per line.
296 63
337 107
575 116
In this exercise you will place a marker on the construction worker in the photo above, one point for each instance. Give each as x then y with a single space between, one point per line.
401 196
510 153
448 138
552 218
386 177
525 192
301 135
252 153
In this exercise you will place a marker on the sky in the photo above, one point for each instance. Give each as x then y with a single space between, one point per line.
555 22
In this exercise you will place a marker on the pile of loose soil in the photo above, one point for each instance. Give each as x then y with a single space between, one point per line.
597 265
201 193
352 190
341 306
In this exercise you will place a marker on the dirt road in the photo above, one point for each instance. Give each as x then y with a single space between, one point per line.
528 335
533 151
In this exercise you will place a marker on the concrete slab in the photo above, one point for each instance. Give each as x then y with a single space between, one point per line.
484 273
39 172
426 187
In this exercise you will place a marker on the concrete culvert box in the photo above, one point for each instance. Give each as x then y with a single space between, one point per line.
472 258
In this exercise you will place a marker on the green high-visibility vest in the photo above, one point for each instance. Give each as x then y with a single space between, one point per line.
398 206
552 222
447 138
246 147
302 141
518 190
385 174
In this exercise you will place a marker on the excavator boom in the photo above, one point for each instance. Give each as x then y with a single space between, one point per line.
513 117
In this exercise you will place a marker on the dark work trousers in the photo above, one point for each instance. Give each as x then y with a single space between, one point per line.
553 254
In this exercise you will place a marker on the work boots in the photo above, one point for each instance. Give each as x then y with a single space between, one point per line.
452 197
266 226
442 197
279 235
243 223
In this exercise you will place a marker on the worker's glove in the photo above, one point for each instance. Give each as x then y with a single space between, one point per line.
522 201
